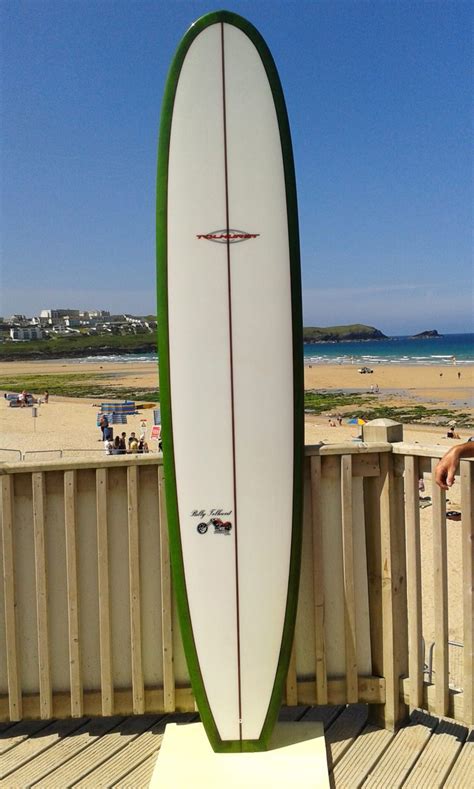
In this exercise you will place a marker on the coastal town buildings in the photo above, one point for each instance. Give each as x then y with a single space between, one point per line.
66 322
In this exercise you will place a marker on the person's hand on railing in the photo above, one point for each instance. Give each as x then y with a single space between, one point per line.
448 465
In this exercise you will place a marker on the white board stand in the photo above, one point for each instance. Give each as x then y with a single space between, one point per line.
297 752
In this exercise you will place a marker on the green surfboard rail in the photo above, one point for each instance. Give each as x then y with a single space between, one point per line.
219 745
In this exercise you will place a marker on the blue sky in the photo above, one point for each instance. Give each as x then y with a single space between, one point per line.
379 100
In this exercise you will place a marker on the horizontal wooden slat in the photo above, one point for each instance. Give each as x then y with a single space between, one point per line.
92 703
419 450
455 708
371 690
70 464
347 448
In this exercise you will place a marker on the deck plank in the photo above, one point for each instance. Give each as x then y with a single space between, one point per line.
121 753
17 732
36 743
105 748
342 733
460 776
140 776
44 764
438 757
293 713
351 770
325 715
115 773
398 760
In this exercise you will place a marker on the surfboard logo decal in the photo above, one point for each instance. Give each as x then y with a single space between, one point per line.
227 236
220 526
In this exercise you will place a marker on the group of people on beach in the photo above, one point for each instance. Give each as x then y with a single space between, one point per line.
119 445
25 399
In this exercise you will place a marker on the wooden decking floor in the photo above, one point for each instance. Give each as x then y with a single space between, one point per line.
121 752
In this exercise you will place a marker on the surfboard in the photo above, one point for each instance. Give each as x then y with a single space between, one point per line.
231 376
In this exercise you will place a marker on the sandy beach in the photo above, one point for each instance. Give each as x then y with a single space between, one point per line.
430 384
70 424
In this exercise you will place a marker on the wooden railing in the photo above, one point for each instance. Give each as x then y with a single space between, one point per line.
87 620
417 463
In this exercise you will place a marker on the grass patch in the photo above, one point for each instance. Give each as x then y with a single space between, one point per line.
320 402
79 345
369 407
77 385
97 385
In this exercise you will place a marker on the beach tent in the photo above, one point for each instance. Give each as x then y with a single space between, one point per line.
128 407
114 419
357 420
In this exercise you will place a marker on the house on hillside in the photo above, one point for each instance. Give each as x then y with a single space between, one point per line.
22 334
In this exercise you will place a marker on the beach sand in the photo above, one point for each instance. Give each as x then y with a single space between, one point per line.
69 425
430 384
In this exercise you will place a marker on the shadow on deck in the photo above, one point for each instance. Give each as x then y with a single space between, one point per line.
122 751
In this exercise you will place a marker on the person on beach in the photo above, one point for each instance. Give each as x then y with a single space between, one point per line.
46 397
452 433
142 445
123 444
108 446
132 444
103 423
448 465
131 439
116 446
23 398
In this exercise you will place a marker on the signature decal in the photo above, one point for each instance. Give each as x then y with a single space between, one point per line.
227 236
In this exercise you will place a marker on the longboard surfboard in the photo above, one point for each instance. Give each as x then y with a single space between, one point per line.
231 378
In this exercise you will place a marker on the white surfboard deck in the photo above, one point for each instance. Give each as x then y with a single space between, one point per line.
297 753
231 370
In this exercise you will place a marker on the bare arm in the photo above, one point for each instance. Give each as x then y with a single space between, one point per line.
448 465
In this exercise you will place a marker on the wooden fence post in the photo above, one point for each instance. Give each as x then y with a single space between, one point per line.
386 563
467 507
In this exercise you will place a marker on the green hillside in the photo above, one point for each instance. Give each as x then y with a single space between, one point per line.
354 331
107 344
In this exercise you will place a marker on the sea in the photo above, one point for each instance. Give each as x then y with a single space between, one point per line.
448 349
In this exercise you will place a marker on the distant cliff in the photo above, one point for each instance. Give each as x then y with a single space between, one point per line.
426 335
356 331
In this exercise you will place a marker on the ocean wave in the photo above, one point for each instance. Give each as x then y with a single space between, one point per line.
126 358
